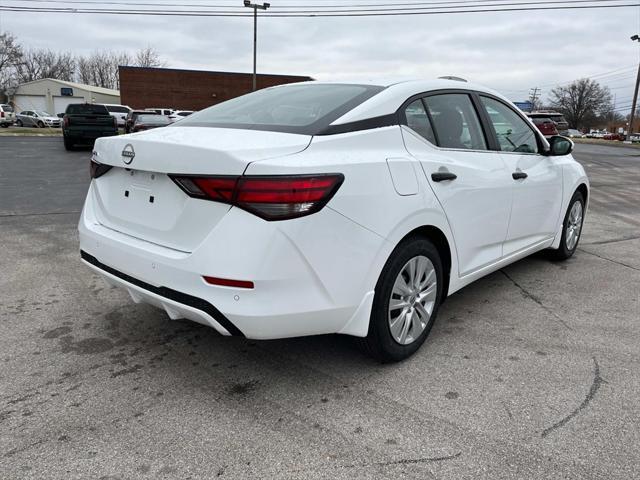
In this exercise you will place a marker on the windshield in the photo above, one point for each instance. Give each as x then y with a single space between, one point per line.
299 108
117 109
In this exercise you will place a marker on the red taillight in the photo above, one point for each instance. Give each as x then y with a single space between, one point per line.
225 282
1 114
98 169
270 197
65 120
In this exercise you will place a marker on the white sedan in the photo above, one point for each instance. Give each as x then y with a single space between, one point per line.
318 208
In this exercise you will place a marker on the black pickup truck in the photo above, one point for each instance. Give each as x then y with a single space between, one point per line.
84 122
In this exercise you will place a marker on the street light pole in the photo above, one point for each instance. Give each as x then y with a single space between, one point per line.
635 38
256 7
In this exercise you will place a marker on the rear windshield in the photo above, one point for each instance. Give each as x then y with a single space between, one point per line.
117 109
142 118
86 109
539 120
6 108
301 108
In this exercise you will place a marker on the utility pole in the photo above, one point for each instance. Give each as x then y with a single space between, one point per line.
635 38
533 97
256 7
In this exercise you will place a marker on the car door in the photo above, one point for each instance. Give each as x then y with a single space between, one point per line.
471 182
28 118
536 178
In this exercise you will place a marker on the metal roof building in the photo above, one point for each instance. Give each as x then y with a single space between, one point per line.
53 96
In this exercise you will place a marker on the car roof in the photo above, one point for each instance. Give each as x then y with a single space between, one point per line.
396 92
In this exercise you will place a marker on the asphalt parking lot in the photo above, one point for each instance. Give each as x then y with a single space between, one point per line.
531 372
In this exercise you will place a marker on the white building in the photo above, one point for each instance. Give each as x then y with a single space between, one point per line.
53 96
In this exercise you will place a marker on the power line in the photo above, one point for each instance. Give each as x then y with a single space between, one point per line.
208 13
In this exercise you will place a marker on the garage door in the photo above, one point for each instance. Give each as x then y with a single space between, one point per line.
60 103
30 102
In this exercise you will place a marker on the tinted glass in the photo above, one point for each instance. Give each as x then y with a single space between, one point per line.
43 114
513 133
87 109
418 121
306 108
116 109
455 121
6 108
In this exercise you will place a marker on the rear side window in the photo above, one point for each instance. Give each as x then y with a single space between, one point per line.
455 121
418 120
512 132
86 109
6 108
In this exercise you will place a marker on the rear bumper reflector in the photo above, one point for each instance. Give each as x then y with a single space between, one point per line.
225 282
194 302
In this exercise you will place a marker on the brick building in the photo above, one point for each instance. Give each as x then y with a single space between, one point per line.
189 89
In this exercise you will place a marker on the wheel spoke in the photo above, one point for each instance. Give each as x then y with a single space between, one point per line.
397 303
405 328
397 324
400 287
429 294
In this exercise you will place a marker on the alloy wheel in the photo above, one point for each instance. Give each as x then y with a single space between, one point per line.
413 298
574 226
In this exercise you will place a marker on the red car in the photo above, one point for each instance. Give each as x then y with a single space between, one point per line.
613 136
546 126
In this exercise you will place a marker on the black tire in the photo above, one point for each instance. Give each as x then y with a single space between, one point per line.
68 144
40 124
18 123
5 125
563 252
379 342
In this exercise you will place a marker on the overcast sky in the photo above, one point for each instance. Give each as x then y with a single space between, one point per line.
510 52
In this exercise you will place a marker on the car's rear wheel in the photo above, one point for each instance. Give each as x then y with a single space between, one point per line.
571 228
406 301
18 123
68 144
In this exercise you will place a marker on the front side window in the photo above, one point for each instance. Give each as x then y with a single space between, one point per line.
418 120
455 121
512 132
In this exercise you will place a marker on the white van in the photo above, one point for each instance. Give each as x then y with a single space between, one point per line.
7 115
119 112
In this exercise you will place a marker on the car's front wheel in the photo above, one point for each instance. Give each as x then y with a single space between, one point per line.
40 124
406 301
68 143
571 228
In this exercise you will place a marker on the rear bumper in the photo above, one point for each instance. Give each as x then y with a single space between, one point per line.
88 134
176 304
314 275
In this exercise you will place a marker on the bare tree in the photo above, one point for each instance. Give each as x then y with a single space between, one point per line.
37 64
581 102
10 58
101 68
148 57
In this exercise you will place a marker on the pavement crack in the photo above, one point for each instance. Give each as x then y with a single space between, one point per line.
610 260
595 386
613 240
531 296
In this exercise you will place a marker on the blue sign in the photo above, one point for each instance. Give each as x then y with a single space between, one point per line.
524 106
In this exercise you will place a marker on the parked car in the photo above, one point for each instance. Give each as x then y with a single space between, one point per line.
161 111
318 208
546 126
147 122
119 112
555 117
131 119
7 115
613 136
596 134
179 115
572 133
85 122
37 118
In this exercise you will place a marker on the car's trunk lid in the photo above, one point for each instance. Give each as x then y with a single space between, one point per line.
138 197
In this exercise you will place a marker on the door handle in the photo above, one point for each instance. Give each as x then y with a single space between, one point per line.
519 175
442 176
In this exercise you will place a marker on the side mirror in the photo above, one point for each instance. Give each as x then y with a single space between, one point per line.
560 146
